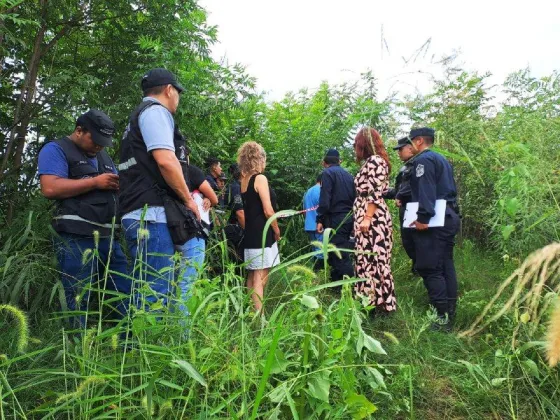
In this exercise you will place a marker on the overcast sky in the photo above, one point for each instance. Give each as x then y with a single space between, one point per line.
289 44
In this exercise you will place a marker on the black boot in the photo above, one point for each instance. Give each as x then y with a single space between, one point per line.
452 309
442 323
413 269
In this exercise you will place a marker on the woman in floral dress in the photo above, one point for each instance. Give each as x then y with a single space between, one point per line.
373 227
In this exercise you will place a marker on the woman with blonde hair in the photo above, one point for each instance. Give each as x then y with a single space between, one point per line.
258 205
373 226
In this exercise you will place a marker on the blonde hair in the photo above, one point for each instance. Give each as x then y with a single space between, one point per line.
251 158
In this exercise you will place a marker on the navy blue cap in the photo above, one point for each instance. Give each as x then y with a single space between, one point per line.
402 142
160 77
99 125
422 132
332 153
332 157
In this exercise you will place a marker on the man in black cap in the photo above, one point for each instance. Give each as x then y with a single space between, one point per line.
431 180
153 155
77 173
335 211
402 195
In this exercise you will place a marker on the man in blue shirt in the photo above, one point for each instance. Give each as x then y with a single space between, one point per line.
78 173
335 211
431 180
310 201
153 156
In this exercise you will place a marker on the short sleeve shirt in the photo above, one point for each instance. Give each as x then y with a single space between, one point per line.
52 161
157 127
196 178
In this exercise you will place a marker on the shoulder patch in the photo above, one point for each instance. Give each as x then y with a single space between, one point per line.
419 170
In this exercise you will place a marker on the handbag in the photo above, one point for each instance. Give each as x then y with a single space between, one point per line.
181 221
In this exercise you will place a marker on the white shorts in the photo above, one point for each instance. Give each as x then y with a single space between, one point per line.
257 259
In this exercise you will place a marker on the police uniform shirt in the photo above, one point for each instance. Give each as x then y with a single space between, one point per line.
212 181
431 180
234 200
337 193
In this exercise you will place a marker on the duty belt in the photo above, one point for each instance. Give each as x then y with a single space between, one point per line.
81 219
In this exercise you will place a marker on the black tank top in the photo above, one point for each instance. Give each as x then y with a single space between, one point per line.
255 220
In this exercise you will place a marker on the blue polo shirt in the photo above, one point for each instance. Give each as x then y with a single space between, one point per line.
311 199
52 161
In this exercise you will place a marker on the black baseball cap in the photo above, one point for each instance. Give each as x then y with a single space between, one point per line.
99 125
332 157
402 142
422 132
160 77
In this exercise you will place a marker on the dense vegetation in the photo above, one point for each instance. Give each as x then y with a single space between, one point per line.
318 354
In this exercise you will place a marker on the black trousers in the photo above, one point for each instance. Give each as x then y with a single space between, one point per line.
407 236
341 266
434 258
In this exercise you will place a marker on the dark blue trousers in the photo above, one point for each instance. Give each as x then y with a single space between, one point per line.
434 258
341 239
80 268
407 237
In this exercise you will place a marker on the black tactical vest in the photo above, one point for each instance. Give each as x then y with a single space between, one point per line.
140 181
94 210
404 192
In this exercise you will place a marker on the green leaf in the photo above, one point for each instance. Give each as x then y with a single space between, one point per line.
525 317
359 406
532 367
512 206
190 370
373 345
319 385
498 381
337 334
310 302
169 384
507 231
279 364
157 306
378 377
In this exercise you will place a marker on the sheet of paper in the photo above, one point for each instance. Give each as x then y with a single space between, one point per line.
437 221
199 199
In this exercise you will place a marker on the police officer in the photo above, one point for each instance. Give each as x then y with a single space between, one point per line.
234 229
402 195
431 180
214 172
78 173
153 155
335 211
233 198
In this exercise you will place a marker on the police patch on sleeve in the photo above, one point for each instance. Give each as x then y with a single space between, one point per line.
419 170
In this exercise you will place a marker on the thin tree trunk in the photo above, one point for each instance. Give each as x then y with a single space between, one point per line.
27 88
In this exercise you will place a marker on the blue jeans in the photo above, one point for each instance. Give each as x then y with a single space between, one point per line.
79 272
193 252
153 265
314 236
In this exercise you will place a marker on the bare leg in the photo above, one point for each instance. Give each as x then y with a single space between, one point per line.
250 279
260 277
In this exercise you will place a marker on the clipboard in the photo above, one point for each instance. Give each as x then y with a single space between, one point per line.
410 214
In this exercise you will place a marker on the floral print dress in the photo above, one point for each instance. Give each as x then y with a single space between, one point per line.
373 257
